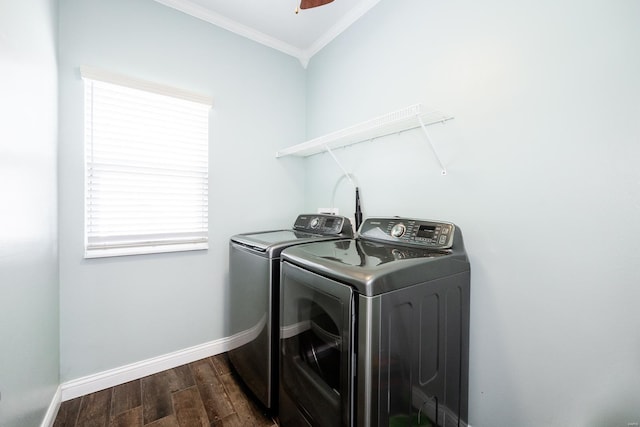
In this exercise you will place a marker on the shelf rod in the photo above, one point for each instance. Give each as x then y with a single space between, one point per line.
433 148
340 166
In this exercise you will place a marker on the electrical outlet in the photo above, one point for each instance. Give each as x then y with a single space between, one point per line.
330 211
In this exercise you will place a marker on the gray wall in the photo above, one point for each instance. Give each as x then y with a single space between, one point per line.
543 180
116 311
28 212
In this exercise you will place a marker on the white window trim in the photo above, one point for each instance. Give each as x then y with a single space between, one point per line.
144 250
140 84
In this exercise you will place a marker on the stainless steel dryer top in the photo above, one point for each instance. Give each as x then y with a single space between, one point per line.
389 254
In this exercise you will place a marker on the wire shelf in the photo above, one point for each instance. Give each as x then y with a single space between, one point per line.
411 117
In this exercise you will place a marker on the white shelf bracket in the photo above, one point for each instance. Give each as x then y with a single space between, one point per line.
433 148
347 174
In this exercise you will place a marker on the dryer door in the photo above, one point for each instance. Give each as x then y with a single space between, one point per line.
316 345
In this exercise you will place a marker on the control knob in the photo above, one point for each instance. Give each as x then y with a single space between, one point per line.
314 222
398 230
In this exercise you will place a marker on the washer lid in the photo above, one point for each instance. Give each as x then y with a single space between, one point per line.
268 240
373 268
307 228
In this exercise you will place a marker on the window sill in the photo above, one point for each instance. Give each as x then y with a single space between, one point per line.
143 250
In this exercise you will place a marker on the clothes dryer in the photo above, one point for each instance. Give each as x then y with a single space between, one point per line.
254 283
375 330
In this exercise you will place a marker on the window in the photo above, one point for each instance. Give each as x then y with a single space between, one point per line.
146 165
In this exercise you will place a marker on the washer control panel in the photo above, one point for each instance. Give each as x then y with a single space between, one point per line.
323 224
414 232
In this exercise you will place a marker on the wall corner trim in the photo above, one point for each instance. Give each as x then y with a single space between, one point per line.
52 411
112 377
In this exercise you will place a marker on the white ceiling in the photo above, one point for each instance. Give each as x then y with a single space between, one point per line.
274 22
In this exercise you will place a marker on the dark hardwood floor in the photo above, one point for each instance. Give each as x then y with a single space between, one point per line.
202 393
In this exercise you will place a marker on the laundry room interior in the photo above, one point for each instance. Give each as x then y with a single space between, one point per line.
536 164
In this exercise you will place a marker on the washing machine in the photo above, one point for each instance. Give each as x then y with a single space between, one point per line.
254 280
374 330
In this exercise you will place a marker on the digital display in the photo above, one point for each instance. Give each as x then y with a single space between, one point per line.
329 222
426 231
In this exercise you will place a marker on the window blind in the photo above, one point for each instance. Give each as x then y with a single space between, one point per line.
146 157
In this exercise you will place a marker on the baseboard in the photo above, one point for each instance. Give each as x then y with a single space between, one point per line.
102 380
52 411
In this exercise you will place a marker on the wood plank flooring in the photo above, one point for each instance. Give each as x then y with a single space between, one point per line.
202 393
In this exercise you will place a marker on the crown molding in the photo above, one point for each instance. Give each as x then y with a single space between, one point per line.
303 55
207 15
339 27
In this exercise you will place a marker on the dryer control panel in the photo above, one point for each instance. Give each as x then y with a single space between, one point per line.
407 231
324 224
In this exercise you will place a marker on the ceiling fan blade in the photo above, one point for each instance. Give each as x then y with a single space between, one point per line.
308 4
